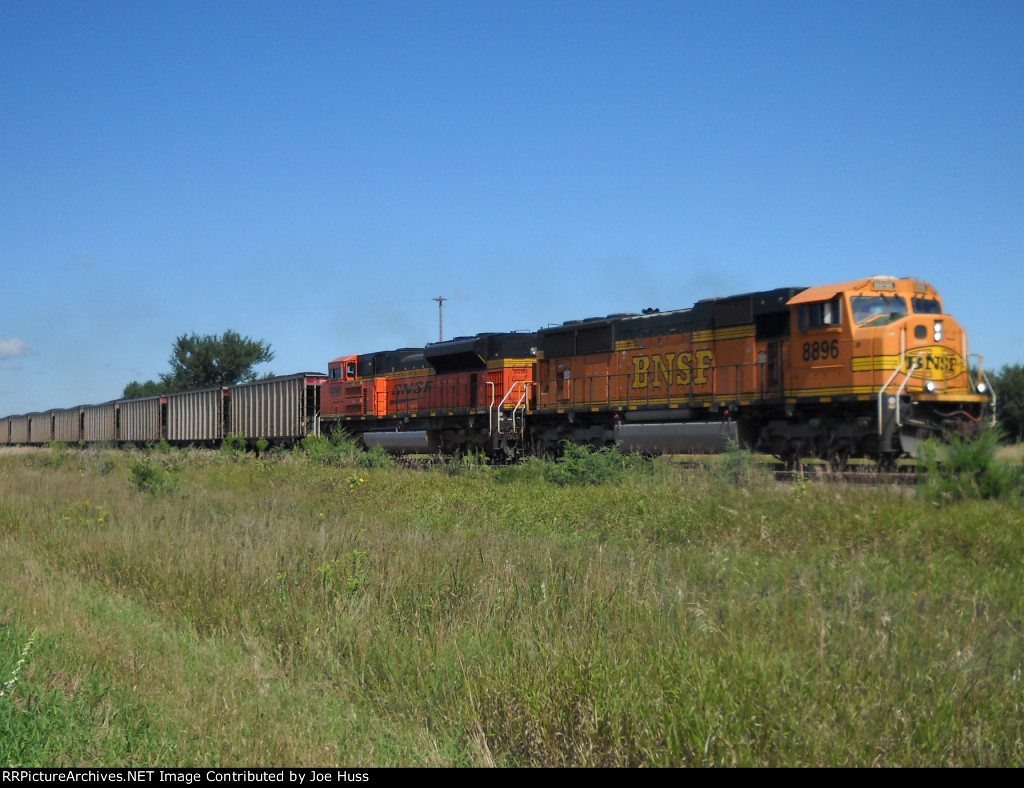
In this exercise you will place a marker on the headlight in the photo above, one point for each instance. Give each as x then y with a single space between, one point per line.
930 385
982 388
937 331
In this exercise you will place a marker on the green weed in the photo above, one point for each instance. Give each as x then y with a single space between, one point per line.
962 468
341 449
581 466
7 690
151 476
234 445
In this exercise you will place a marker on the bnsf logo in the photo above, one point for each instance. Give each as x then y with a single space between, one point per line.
927 361
419 387
672 369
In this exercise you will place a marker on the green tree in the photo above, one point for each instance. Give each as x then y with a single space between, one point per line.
150 388
207 360
213 360
1009 387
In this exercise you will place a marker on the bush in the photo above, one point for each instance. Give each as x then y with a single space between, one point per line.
739 465
233 445
377 457
326 449
152 477
582 466
963 468
340 449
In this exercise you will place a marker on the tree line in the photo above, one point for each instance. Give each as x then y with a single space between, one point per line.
1009 387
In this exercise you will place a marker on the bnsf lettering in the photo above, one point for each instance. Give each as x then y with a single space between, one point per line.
672 369
420 387
926 362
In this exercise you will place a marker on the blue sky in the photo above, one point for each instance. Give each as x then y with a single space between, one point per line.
314 174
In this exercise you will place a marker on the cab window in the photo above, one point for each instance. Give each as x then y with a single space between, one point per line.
820 314
877 310
926 306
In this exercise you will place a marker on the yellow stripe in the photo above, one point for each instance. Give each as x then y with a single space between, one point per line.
738 332
709 335
706 400
633 404
511 363
831 392
874 363
717 334
410 373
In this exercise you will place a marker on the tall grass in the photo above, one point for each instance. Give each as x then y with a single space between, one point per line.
290 610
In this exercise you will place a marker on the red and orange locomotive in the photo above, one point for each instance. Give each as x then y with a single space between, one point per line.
468 394
864 368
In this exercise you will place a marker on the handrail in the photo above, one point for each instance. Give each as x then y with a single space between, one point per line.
490 408
892 379
526 390
889 382
494 419
520 405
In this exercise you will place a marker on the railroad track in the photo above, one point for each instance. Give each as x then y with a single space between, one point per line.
861 474
866 475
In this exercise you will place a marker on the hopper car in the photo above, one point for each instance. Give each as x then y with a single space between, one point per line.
280 410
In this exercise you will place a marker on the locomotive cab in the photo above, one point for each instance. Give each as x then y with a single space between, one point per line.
351 388
343 369
886 343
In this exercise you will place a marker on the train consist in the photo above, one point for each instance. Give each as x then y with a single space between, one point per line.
281 409
870 368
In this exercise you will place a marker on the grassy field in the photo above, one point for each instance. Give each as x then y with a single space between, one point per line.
207 608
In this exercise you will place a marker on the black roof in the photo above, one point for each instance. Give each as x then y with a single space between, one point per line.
599 335
467 353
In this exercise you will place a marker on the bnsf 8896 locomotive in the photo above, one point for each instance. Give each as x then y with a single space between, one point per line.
864 368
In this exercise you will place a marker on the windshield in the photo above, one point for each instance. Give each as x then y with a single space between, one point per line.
926 306
878 309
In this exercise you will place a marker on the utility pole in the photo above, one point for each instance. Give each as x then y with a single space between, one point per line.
440 316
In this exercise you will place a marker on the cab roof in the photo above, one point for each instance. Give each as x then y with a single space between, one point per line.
870 284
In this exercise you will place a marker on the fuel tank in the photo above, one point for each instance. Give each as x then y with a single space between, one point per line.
703 437
404 442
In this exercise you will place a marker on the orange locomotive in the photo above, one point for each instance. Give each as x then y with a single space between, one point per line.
864 368
467 394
